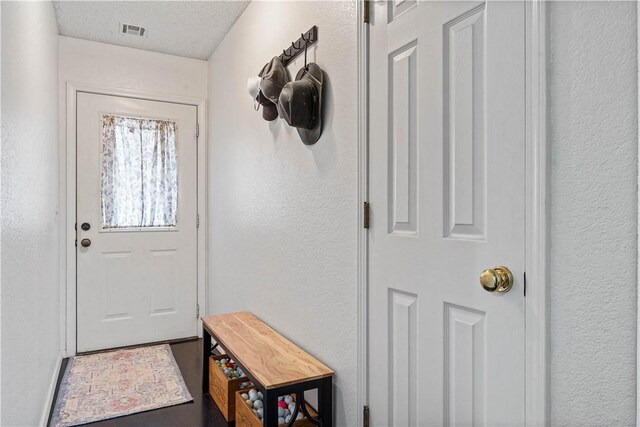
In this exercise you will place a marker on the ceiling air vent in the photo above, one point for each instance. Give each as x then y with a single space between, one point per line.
133 30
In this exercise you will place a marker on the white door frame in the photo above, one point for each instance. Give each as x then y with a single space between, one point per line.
68 186
536 345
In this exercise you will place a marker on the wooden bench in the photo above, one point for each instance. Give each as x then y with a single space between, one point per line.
273 363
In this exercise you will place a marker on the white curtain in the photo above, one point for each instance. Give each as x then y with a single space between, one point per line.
139 175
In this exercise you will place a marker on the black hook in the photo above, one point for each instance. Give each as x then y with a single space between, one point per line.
306 43
305 56
295 48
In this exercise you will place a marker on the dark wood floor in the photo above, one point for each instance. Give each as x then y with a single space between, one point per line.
201 412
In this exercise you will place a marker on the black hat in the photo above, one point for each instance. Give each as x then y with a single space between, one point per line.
269 109
300 103
274 77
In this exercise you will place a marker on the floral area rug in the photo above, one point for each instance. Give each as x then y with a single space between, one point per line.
116 383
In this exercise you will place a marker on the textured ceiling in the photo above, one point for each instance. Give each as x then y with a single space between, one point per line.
185 28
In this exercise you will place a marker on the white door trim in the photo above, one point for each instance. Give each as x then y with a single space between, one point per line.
362 381
536 348
68 187
536 214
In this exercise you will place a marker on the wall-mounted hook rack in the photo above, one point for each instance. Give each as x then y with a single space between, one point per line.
297 47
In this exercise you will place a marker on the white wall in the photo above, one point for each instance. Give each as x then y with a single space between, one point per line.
594 152
111 66
30 290
122 67
283 216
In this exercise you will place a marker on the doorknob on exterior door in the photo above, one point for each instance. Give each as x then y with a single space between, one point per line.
85 243
497 279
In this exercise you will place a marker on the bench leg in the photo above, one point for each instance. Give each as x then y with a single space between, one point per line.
270 409
206 350
325 402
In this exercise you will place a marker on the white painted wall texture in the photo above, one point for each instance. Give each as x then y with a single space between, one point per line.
283 216
29 234
127 68
594 152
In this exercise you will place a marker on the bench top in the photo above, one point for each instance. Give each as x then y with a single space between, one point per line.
272 359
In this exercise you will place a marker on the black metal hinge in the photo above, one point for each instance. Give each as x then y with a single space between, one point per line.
365 416
366 11
367 213
197 130
525 284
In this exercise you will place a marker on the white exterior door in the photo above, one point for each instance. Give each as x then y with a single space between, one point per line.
447 126
136 221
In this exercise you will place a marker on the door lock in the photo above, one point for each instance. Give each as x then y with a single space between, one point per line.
85 226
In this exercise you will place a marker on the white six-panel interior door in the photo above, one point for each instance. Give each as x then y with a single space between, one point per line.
134 285
447 181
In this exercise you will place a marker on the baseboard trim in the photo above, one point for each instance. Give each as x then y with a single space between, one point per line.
46 411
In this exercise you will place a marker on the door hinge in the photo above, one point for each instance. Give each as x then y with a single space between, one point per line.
197 130
197 311
197 220
366 11
365 416
525 284
366 214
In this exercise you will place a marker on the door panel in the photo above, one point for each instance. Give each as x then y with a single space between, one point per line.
403 142
136 281
447 198
464 111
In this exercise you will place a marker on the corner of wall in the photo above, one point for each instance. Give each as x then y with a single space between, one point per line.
51 391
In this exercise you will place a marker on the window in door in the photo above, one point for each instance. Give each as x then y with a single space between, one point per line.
139 172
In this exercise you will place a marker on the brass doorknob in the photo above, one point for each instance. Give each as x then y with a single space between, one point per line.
85 243
497 279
